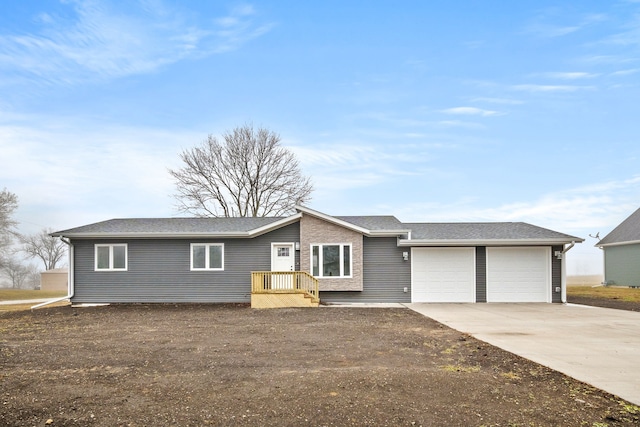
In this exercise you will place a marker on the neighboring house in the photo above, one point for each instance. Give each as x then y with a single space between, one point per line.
622 253
352 259
54 280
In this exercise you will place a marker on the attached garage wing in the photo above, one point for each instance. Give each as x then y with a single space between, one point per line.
519 274
443 275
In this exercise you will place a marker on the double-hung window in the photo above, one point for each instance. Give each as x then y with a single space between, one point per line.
331 260
207 256
111 257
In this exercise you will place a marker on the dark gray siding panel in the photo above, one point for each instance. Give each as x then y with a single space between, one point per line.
556 275
481 274
386 274
159 270
622 265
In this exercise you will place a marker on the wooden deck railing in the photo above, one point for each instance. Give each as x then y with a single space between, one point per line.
266 282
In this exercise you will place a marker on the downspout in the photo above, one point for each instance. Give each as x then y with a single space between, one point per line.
563 276
70 278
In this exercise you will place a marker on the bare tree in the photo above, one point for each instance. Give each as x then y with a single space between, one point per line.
247 174
49 250
8 204
16 271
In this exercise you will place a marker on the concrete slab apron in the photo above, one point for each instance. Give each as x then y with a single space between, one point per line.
598 346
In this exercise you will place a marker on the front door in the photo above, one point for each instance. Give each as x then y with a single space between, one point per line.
283 259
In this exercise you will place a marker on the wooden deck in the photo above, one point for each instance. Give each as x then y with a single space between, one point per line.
277 289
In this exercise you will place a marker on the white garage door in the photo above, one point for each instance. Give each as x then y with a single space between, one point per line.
518 274
443 275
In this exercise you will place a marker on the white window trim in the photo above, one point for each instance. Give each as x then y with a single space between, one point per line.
206 259
341 245
110 246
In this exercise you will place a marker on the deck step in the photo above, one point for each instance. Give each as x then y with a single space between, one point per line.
282 300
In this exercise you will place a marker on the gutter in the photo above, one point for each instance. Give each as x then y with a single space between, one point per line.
71 285
563 277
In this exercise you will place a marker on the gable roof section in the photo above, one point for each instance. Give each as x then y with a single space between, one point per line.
372 226
179 227
628 232
483 234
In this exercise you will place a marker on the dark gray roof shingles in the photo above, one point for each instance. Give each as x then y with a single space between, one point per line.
627 231
172 225
483 231
374 222
419 231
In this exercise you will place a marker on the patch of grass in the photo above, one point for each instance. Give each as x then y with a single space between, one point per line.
460 368
24 307
18 294
510 375
630 408
607 292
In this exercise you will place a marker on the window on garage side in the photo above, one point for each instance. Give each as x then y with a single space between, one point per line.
111 257
207 256
331 260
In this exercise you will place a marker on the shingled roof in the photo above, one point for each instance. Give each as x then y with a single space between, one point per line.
482 234
374 222
171 226
628 231
421 234
482 231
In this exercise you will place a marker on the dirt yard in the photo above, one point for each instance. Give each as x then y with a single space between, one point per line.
194 365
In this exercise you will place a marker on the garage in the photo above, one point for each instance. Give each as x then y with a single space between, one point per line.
443 275
518 274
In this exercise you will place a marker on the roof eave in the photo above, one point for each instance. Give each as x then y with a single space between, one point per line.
485 242
604 245
275 225
149 235
329 218
387 233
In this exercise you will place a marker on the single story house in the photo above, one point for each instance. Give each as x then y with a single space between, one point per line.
622 253
349 258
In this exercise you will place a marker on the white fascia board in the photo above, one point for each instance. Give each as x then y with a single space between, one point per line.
630 242
153 235
494 242
333 220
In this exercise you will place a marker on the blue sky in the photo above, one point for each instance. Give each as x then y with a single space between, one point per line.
430 111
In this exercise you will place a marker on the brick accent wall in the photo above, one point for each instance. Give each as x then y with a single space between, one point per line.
317 231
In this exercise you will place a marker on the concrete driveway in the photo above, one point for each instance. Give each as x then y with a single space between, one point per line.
598 346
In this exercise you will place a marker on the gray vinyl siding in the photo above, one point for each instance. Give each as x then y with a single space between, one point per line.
622 265
159 270
481 274
385 274
556 275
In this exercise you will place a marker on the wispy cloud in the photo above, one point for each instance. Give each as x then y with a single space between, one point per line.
102 42
549 88
590 207
504 101
459 124
470 111
575 75
542 27
627 72
72 164
348 164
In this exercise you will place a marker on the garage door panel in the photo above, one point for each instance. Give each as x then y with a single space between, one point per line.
443 275
518 274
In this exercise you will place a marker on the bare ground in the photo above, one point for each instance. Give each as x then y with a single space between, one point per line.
229 365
